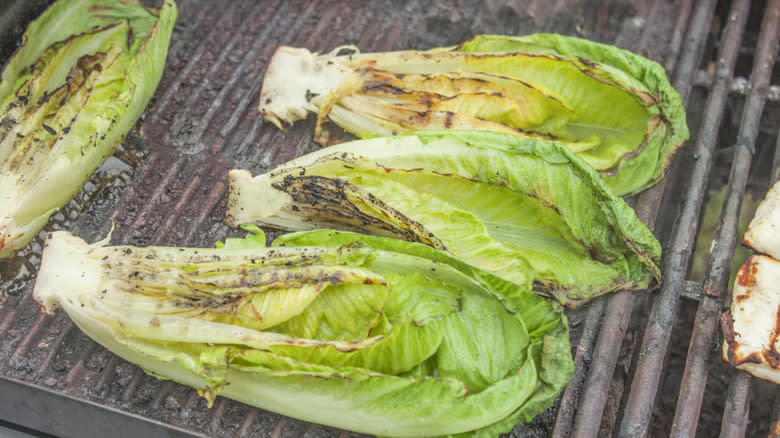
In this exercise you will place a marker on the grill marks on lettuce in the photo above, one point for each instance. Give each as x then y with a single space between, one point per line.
80 80
370 334
525 209
342 203
614 109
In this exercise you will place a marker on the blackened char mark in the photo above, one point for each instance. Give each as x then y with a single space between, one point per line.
347 206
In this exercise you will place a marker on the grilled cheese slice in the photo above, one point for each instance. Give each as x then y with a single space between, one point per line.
763 233
752 326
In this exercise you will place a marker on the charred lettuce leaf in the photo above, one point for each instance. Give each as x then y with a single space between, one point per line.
82 77
525 209
369 334
614 109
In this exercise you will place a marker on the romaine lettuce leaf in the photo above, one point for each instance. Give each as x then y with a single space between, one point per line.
399 339
525 209
614 109
81 79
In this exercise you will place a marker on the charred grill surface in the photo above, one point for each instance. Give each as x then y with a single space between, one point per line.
167 185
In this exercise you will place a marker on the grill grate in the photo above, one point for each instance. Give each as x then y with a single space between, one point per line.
725 240
166 185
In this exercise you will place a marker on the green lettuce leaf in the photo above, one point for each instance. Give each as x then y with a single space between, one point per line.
627 170
400 339
528 210
81 79
614 109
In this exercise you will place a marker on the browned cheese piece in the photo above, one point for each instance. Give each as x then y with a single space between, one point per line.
752 325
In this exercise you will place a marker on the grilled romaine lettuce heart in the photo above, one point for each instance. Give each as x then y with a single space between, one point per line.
526 209
368 334
82 77
613 108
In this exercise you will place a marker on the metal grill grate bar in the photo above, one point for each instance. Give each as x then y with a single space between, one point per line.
737 409
670 63
605 356
571 395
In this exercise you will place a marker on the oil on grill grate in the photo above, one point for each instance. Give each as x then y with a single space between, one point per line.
166 185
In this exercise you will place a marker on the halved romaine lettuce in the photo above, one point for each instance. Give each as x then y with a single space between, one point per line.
369 334
525 209
614 109
81 79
